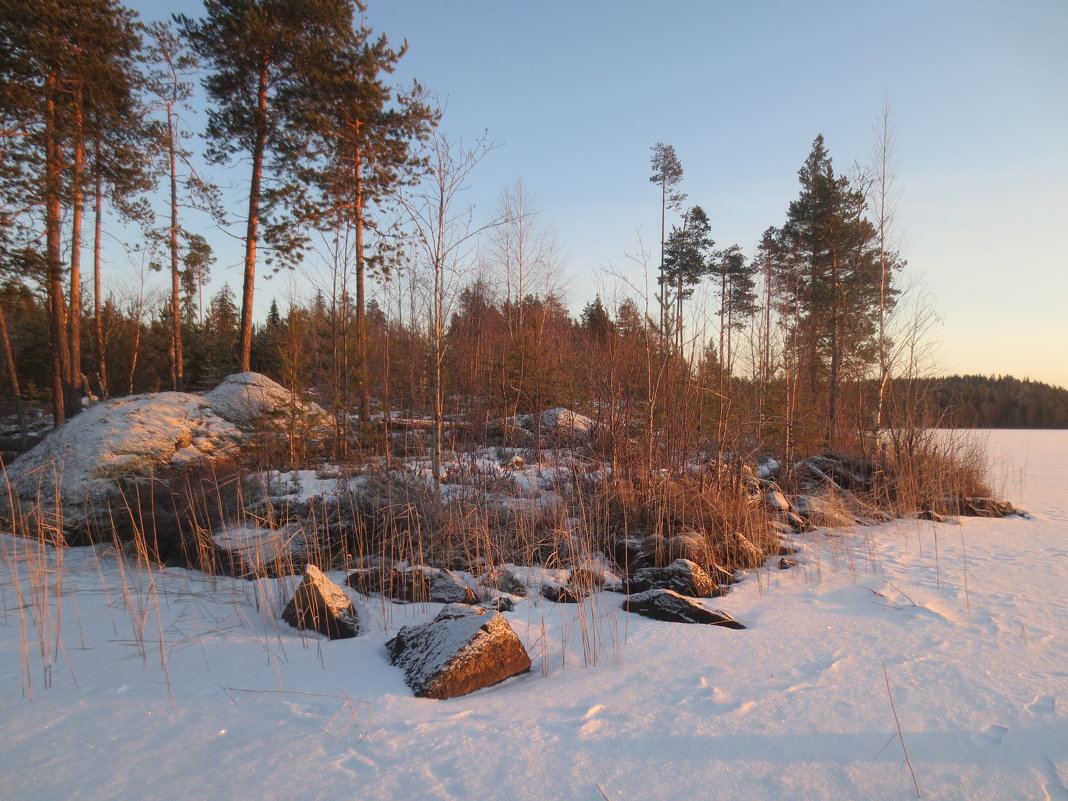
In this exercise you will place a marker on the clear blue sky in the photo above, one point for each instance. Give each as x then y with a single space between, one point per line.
577 92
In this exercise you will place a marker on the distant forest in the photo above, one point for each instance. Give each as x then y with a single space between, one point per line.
1002 402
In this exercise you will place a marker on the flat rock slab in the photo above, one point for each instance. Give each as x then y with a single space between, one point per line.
674 608
463 649
321 605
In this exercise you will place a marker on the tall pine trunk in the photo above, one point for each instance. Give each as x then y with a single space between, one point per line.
177 357
98 243
74 320
64 400
252 228
361 299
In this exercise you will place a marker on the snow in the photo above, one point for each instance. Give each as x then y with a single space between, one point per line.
960 624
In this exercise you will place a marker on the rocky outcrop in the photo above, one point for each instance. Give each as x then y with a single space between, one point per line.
463 649
247 399
321 605
666 605
681 576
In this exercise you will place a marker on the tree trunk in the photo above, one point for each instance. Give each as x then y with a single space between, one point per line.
74 320
57 310
251 231
836 358
361 300
177 357
98 322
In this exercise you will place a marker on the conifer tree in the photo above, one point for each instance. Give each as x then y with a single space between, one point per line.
362 150
171 64
260 55
687 260
828 284
667 173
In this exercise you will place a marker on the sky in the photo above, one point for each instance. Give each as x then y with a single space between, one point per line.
575 94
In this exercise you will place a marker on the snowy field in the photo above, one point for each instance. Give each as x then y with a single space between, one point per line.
948 640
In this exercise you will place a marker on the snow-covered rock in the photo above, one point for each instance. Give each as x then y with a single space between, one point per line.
88 460
559 423
131 437
246 398
463 649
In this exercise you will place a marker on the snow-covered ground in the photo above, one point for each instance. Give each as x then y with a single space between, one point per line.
172 684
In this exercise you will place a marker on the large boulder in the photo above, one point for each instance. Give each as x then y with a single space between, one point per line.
681 576
90 466
84 459
670 606
321 605
463 649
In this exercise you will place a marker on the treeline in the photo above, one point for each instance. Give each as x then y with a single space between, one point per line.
998 402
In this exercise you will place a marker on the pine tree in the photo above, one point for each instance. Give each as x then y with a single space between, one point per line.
260 55
667 173
687 260
170 88
361 151
828 284
737 298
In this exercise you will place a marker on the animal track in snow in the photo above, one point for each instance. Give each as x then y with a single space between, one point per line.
991 735
1043 705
